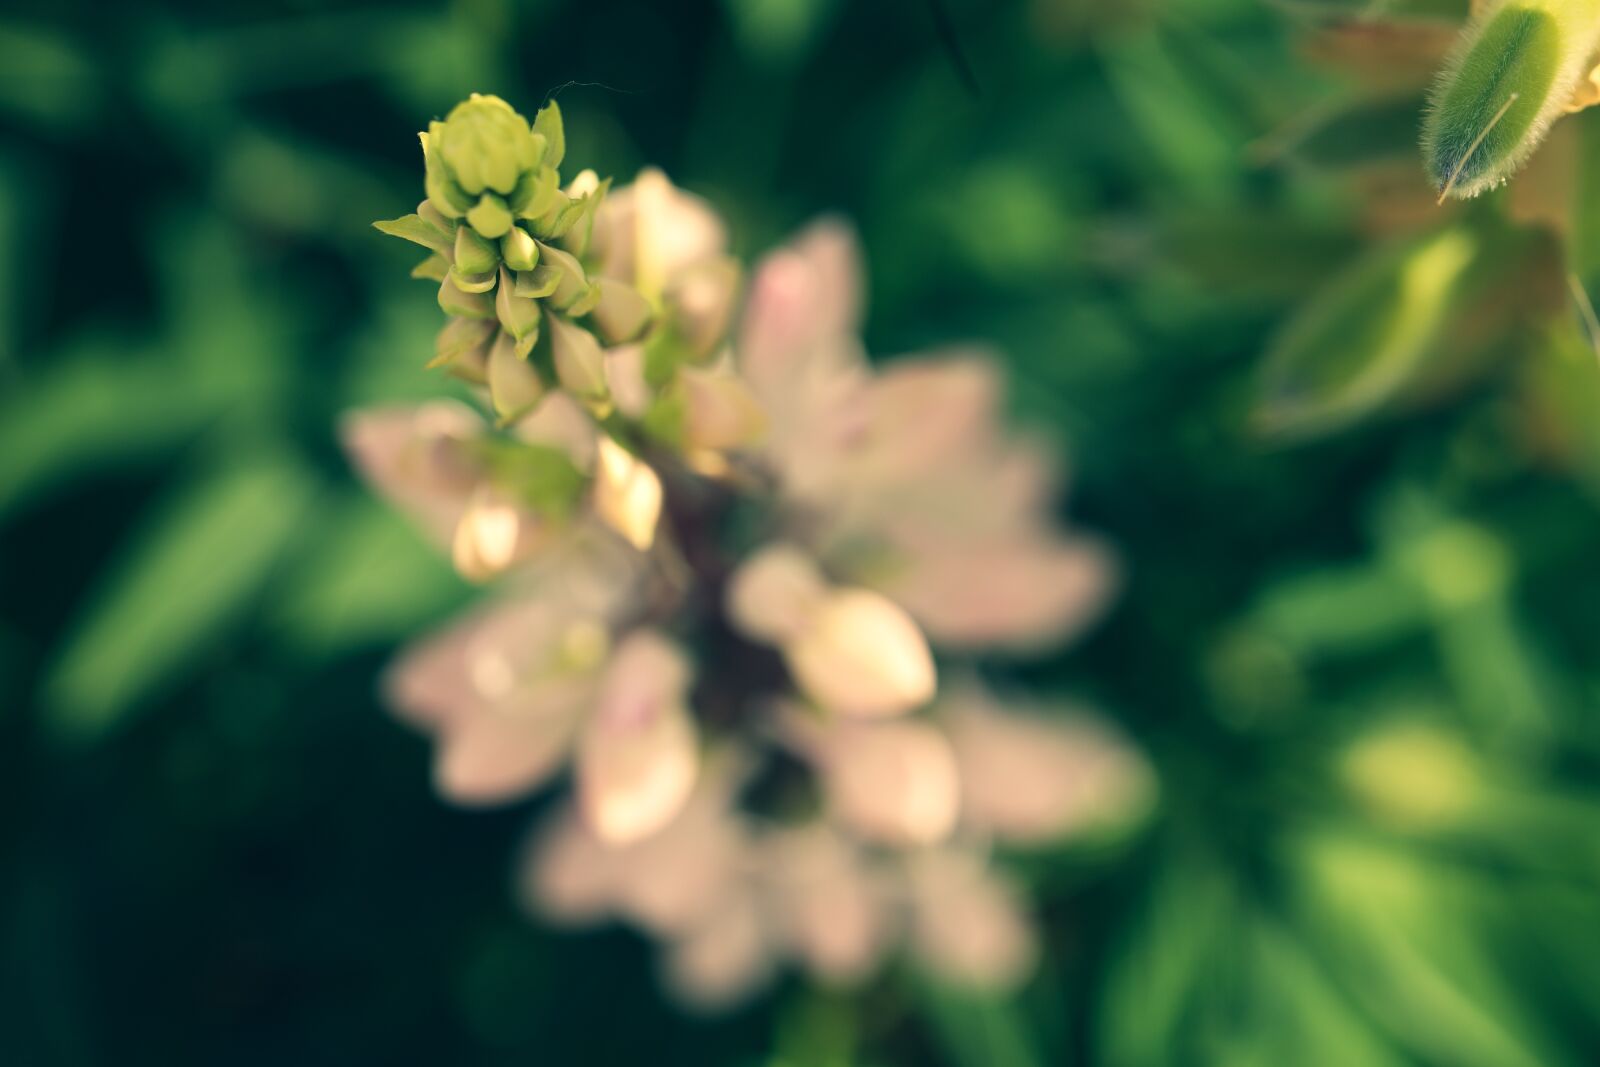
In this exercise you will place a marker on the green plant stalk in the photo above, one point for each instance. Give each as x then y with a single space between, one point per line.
1511 75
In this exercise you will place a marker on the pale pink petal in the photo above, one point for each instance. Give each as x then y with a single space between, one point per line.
638 757
773 594
569 876
928 412
1015 594
803 299
493 535
723 961
648 232
967 924
503 753
894 782
860 654
625 376
1032 779
830 908
416 458
674 878
561 423
720 412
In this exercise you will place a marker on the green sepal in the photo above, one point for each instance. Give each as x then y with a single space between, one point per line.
417 230
548 124
586 303
664 353
473 283
435 268
459 337
665 418
539 282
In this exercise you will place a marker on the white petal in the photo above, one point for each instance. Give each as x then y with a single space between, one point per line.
627 494
723 961
860 654
968 925
894 782
773 594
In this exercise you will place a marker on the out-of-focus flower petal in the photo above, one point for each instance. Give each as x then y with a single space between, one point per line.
625 375
627 494
569 875
650 231
804 298
669 882
723 960
700 301
416 458
894 782
503 753
684 872
967 924
927 412
560 423
830 910
860 654
720 413
774 593
1015 594
1032 779
492 536
638 757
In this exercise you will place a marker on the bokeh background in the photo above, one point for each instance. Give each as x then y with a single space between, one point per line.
1366 668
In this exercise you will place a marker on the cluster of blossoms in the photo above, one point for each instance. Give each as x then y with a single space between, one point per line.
722 544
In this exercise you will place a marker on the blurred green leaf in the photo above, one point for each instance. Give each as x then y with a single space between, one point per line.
367 577
185 579
977 1029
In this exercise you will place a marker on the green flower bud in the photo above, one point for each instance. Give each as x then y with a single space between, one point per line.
518 315
448 198
579 362
473 253
519 250
536 193
458 338
485 145
514 385
572 284
1513 72
620 313
490 217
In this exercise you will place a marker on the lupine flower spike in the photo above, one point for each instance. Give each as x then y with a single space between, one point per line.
727 551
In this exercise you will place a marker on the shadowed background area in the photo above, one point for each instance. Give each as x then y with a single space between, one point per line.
1365 668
